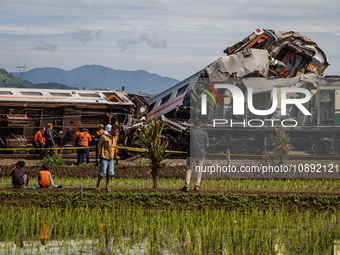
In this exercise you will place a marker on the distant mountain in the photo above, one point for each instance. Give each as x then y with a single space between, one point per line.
100 77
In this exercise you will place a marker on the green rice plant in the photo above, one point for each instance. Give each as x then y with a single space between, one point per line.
297 185
201 231
143 162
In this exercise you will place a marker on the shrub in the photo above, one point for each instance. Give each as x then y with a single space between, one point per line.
281 145
52 161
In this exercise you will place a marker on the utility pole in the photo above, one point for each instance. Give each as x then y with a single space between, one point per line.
21 69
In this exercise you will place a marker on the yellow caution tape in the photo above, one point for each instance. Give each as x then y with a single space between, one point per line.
143 149
75 148
54 148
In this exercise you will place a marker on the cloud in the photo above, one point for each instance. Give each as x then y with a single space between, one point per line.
150 40
43 46
85 35
127 43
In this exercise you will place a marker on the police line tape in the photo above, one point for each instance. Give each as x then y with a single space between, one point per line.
78 148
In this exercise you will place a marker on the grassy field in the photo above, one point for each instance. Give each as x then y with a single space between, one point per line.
270 185
237 216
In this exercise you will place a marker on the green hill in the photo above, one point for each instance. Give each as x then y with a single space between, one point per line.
10 81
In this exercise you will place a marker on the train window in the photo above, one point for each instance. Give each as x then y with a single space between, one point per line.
180 91
151 106
60 94
30 93
260 42
88 95
8 93
165 99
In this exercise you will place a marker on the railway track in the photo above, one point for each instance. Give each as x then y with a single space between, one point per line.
182 156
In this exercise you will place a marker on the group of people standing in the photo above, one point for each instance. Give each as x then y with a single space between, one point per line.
105 141
44 139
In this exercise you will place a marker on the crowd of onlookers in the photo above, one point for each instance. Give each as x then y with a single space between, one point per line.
105 141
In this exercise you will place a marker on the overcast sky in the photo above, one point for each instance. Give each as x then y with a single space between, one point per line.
173 38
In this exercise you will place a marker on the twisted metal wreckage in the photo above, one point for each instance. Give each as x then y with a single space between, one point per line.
265 62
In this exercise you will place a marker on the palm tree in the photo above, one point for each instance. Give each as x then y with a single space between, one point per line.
155 146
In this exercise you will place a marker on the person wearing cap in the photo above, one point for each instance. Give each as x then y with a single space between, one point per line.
49 137
39 141
85 138
20 177
107 145
45 177
96 140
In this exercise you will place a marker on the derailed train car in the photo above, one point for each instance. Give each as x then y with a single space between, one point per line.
24 111
259 69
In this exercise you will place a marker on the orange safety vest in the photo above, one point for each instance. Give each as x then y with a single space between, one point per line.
100 132
84 138
44 178
39 137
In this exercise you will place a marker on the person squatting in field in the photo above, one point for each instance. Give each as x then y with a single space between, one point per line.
20 177
107 145
45 177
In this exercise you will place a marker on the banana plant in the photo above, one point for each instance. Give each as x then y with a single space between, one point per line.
151 140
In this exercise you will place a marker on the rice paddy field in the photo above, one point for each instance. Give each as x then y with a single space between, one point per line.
228 216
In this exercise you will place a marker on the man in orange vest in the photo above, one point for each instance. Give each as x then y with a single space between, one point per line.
39 141
96 140
85 138
45 177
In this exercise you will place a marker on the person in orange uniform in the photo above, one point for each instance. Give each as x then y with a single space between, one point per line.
45 177
96 140
85 138
39 141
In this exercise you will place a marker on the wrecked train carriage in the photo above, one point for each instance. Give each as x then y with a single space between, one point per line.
264 60
24 111
278 54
